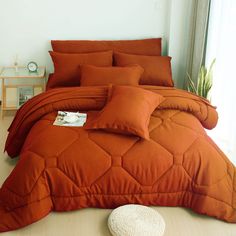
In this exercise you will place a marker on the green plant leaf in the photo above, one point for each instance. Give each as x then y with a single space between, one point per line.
204 83
190 85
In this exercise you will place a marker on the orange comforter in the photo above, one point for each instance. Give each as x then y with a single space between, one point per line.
67 168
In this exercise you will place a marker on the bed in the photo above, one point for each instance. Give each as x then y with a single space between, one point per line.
69 168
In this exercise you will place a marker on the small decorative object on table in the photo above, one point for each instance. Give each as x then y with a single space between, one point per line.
17 88
24 94
32 67
16 63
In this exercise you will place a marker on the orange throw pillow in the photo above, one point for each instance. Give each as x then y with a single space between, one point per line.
94 76
157 69
128 111
67 66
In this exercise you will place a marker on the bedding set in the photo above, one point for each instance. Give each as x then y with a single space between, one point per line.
144 141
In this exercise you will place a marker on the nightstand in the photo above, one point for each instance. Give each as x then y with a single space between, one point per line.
19 86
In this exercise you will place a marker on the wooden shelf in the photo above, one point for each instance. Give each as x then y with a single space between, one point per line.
8 74
23 73
9 108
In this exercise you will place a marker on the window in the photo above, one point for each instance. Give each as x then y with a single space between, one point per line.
221 44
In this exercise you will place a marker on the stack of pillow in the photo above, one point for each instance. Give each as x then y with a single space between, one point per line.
127 64
86 65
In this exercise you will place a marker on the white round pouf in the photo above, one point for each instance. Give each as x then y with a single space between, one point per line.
136 220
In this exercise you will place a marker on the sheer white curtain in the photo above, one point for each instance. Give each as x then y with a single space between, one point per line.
200 14
221 44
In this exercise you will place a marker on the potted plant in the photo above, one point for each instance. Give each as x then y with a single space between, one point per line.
204 82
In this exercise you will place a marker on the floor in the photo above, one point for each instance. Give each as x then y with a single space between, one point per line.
92 222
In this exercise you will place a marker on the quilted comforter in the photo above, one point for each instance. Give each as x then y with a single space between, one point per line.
67 168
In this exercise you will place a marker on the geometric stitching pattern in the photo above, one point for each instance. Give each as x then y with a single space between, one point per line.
128 158
138 166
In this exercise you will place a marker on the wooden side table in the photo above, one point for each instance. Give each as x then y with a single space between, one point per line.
17 88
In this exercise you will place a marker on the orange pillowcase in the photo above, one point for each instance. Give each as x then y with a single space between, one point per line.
141 46
127 111
94 76
67 66
157 69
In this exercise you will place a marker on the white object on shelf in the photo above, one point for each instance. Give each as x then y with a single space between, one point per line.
16 64
136 220
11 97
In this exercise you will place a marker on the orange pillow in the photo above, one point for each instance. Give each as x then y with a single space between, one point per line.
67 66
93 75
140 46
157 69
128 111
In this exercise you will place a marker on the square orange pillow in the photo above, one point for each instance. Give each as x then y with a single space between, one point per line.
67 66
157 69
98 76
127 111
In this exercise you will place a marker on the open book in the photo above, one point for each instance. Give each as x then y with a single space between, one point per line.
65 118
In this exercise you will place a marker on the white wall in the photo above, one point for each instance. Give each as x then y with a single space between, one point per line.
179 38
27 26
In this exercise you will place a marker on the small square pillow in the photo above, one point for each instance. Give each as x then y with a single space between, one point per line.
127 111
67 66
95 76
157 69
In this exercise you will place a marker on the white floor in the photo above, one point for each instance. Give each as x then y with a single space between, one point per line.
92 222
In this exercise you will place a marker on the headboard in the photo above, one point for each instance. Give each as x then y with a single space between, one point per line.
151 47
